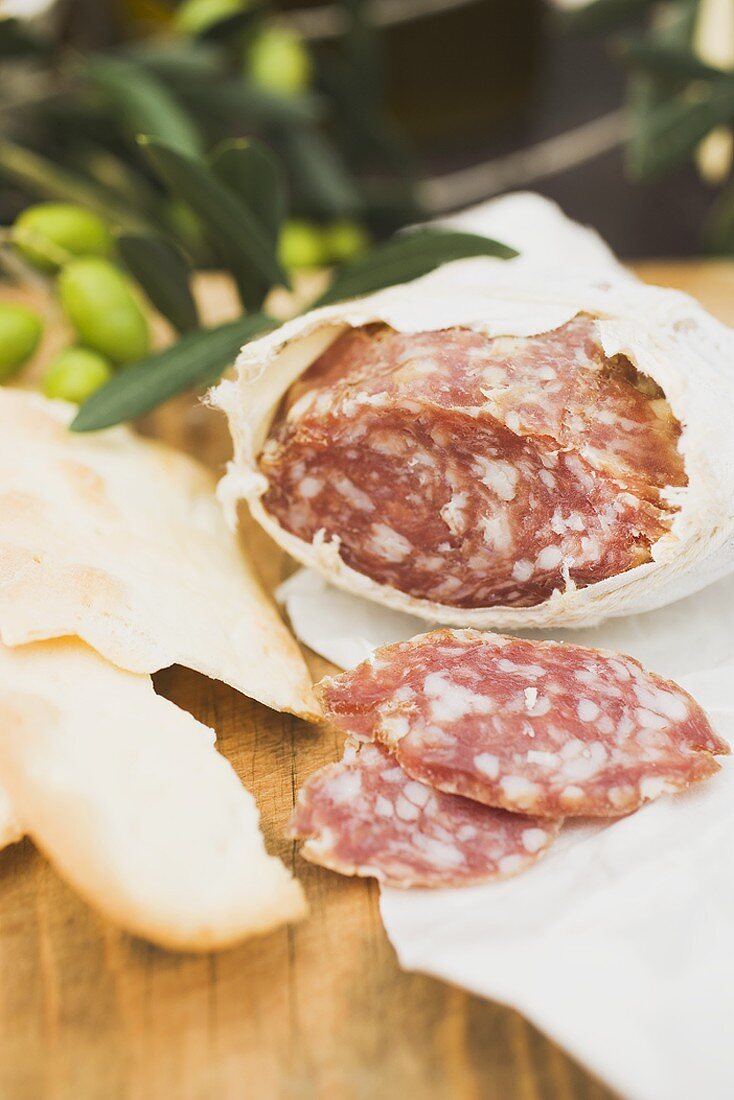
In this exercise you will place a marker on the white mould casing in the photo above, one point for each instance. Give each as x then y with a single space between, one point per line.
562 270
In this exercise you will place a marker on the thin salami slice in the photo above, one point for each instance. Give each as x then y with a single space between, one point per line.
365 816
472 471
537 727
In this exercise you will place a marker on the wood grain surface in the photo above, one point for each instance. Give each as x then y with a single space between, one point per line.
319 1010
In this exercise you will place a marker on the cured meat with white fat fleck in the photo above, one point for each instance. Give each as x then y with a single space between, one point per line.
537 727
365 816
474 471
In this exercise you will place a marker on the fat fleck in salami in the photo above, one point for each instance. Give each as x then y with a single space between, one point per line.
365 816
475 472
538 727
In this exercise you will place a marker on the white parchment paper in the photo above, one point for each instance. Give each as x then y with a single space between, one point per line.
620 943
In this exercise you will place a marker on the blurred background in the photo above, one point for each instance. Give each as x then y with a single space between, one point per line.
380 111
147 144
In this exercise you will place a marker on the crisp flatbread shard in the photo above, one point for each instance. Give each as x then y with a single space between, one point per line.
505 444
120 541
129 799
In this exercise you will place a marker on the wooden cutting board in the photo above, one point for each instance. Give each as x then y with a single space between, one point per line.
320 1010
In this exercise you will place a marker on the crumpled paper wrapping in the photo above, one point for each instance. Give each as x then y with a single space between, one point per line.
620 943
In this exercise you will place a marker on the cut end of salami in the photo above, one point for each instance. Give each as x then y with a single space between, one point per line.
545 728
365 816
472 471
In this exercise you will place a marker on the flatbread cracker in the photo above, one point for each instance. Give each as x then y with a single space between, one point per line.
120 541
128 798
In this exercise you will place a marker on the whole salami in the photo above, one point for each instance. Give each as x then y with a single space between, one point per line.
511 445
537 727
473 471
365 816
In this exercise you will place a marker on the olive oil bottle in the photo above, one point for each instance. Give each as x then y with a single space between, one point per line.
451 70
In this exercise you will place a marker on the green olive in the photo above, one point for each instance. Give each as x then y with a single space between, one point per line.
196 16
186 226
99 302
49 233
75 374
301 245
279 62
20 331
344 240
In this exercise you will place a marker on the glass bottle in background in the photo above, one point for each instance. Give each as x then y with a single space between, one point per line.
451 71
465 71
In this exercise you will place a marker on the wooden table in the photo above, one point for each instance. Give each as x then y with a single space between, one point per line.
320 1010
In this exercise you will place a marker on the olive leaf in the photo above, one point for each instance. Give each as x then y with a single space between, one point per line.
238 101
255 178
119 177
663 59
253 173
164 273
651 87
143 102
234 231
407 257
674 128
318 173
197 359
43 177
178 62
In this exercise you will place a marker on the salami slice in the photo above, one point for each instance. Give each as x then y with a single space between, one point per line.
365 816
475 472
537 727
